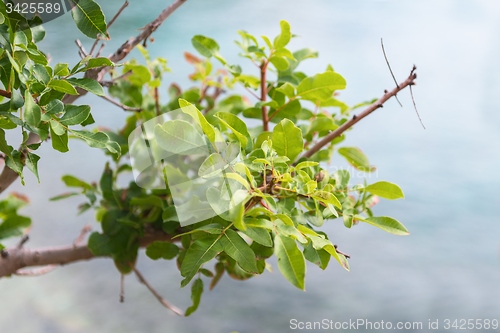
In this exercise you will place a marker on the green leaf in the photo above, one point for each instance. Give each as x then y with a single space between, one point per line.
32 112
90 85
62 86
196 291
75 114
321 86
327 198
54 107
306 164
291 260
318 257
386 190
287 139
4 147
280 63
284 38
57 127
13 225
201 251
89 18
99 245
95 139
179 137
72 181
239 250
207 47
32 164
94 63
236 125
287 89
59 142
165 250
198 117
386 223
61 69
356 158
212 165
259 235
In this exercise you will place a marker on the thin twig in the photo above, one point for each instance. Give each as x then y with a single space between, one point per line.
124 107
85 230
390 69
169 306
110 23
252 93
83 53
5 93
413 99
110 83
348 124
23 241
100 49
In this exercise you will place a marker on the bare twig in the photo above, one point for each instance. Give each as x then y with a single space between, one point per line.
85 230
83 53
124 107
372 107
413 100
110 23
23 241
390 69
100 50
166 304
121 77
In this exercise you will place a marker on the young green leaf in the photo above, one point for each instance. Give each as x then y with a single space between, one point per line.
284 38
321 86
291 260
386 190
287 139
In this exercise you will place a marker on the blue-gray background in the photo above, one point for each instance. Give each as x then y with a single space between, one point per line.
447 268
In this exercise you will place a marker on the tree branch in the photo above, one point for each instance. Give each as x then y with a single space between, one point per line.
348 124
13 259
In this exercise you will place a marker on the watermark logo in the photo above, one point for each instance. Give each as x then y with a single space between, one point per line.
37 12
172 152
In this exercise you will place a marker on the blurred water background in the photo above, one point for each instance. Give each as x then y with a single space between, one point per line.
448 268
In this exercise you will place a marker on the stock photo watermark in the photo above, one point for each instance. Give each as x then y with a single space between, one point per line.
38 11
382 325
